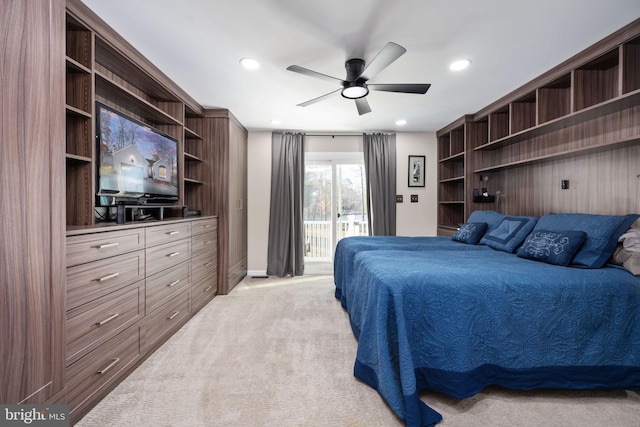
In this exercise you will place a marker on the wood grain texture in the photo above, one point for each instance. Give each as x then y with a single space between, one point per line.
32 181
229 138
92 324
84 382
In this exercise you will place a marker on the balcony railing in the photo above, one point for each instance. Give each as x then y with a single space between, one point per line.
317 236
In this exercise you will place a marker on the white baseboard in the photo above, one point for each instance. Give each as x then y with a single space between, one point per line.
251 273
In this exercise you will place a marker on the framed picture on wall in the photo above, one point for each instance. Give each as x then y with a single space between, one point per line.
416 171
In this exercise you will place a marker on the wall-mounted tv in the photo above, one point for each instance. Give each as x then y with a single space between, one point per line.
136 163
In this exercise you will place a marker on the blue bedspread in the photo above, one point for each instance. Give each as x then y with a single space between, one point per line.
458 320
347 248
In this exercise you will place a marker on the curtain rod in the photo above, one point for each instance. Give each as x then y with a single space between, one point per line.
333 136
344 135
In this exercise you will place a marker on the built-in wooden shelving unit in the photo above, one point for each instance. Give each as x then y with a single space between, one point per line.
97 69
589 104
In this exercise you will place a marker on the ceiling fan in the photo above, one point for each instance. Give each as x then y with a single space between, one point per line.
355 86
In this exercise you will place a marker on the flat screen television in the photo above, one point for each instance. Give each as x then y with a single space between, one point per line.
136 164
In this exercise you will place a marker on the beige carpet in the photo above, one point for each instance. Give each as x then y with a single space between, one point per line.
280 352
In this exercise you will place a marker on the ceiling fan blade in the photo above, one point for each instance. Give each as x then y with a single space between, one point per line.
318 99
363 106
311 73
401 87
389 53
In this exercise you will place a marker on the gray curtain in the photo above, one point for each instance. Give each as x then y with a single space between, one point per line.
285 254
380 171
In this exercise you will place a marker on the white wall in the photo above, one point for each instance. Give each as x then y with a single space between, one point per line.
413 219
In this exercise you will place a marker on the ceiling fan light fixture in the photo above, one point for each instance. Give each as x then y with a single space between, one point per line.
354 90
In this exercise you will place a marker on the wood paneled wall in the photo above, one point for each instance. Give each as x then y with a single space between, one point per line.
600 183
32 185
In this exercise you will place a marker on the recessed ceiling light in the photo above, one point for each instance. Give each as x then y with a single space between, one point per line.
250 63
401 122
459 65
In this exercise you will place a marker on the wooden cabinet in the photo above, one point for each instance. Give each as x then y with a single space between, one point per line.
580 116
230 139
32 208
81 310
204 265
93 376
105 303
168 257
129 288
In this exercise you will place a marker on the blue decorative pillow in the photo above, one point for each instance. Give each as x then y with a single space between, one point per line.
552 247
470 233
602 233
491 218
510 233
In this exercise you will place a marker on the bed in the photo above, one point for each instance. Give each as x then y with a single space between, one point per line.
456 317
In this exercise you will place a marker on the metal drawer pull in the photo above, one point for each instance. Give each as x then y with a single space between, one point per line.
108 319
107 277
208 264
207 226
111 365
173 233
173 315
175 282
208 242
107 245
173 254
207 289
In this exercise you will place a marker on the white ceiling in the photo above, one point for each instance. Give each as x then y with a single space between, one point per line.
199 43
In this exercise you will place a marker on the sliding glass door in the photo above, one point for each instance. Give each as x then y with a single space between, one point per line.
334 208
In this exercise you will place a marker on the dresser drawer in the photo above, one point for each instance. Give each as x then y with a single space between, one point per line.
89 375
162 285
203 265
164 256
96 322
92 247
203 242
204 225
92 280
168 233
166 318
203 291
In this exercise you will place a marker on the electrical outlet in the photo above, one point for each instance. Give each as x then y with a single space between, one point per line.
399 198
414 198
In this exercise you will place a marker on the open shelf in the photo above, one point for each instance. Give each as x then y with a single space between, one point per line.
111 92
451 191
631 66
554 99
562 154
523 113
499 124
596 81
586 114
450 215
130 76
